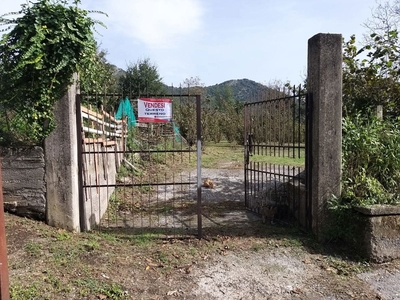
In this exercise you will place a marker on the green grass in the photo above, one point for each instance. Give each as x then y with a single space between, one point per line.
214 154
144 240
63 236
276 160
90 286
19 291
33 249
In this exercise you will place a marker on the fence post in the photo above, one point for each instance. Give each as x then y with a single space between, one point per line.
4 282
379 112
324 83
61 159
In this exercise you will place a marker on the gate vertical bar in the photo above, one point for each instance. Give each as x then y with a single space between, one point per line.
246 153
198 129
82 217
4 281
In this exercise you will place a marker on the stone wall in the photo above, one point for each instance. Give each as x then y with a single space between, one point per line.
378 232
24 189
24 185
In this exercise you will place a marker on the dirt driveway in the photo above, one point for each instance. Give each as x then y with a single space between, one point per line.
241 258
284 271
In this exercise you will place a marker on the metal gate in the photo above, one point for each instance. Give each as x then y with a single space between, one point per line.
277 176
139 177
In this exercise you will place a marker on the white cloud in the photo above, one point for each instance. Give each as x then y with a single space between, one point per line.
156 23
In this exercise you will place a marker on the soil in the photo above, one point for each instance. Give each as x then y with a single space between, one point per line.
241 258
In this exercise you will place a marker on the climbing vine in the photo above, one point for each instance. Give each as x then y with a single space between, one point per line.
47 42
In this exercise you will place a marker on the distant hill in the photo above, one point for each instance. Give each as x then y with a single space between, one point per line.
242 89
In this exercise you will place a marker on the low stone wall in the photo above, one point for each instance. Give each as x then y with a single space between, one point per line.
24 187
24 184
378 233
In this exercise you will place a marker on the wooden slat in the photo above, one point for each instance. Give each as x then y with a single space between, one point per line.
90 112
100 115
109 143
100 121
93 141
112 118
99 141
97 131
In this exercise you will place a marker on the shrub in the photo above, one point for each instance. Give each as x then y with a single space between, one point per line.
371 161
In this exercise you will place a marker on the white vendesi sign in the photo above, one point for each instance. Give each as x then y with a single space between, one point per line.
151 110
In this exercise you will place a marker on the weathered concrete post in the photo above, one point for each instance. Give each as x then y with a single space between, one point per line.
61 158
324 82
4 280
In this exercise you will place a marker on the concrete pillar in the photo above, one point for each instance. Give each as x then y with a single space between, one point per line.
324 83
61 158
4 279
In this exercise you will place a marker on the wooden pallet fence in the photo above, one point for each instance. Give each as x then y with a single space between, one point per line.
103 126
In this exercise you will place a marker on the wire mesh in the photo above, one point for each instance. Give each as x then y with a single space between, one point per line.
139 179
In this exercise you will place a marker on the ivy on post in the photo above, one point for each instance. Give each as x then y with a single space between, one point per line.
46 44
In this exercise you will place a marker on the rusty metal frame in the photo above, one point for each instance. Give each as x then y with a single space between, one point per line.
157 184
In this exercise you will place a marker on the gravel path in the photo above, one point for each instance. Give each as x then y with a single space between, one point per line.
272 273
280 273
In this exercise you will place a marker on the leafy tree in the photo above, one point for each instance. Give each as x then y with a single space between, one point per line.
371 75
46 45
185 109
193 86
384 19
101 78
141 79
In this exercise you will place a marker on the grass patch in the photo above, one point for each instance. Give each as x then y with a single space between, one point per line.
216 153
346 267
104 290
63 235
256 247
19 291
33 248
144 240
279 160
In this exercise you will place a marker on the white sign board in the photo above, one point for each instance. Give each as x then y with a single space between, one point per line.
151 110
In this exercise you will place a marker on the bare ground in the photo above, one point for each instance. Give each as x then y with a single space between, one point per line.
239 258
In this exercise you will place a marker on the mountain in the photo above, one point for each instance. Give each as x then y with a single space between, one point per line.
240 89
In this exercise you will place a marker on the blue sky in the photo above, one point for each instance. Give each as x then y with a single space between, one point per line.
219 40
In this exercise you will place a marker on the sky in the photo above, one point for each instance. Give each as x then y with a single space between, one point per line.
219 40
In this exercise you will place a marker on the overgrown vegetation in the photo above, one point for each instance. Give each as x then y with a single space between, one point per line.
371 77
370 172
371 161
371 146
49 41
